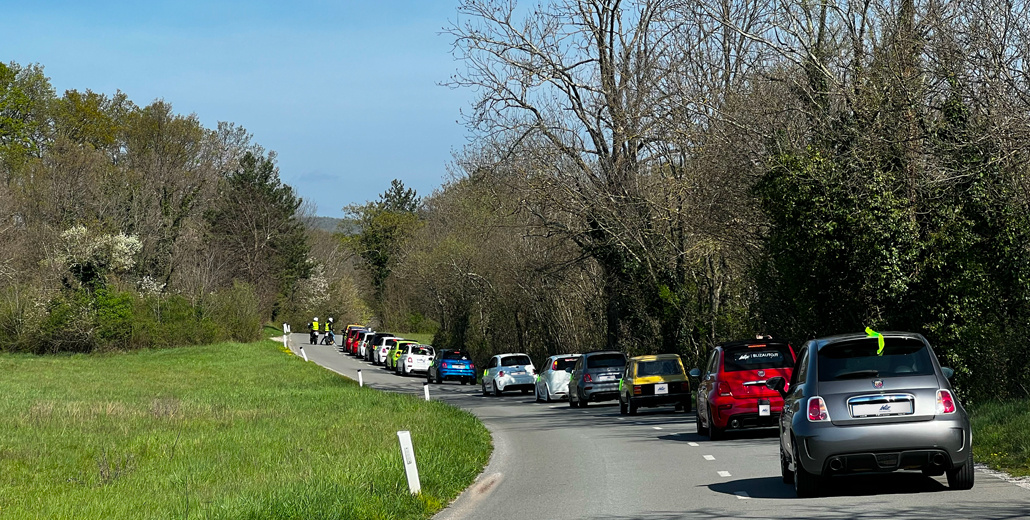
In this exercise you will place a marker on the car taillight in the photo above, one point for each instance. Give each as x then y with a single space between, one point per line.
945 402
587 378
444 364
409 360
724 388
500 373
636 390
817 410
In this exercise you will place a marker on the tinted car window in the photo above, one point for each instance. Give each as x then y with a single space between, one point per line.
453 354
757 357
606 361
664 367
422 351
563 363
511 361
863 358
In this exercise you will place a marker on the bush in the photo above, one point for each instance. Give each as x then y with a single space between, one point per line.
235 312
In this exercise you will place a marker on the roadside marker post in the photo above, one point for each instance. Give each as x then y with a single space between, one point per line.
410 468
425 390
361 383
302 352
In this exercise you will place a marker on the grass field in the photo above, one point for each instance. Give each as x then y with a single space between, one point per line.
222 431
1001 436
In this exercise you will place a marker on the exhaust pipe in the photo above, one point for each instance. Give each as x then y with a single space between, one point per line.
938 459
836 465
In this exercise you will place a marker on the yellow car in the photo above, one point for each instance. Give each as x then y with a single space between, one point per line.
654 381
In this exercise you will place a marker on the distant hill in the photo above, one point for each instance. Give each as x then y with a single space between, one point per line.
331 224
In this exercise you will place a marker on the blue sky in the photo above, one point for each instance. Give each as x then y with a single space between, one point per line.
344 91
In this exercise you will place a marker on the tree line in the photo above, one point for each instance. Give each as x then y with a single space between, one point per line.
128 226
660 175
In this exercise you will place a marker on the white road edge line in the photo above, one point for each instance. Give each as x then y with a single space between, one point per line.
709 457
724 473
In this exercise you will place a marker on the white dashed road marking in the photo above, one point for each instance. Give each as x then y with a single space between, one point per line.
742 495
657 427
724 473
709 457
694 444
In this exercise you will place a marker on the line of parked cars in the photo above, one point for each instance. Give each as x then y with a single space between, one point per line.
855 403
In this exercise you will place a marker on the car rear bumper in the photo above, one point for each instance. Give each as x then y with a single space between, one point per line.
659 400
745 412
827 449
519 382
452 373
607 391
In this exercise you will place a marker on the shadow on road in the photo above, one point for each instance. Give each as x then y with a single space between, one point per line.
851 486
818 511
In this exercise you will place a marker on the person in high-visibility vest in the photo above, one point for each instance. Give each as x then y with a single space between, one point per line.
330 338
313 326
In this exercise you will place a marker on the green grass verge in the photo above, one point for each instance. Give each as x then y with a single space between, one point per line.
221 431
425 339
1000 436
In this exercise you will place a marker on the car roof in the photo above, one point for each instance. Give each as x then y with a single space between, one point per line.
655 357
822 342
746 342
596 352
506 354
561 356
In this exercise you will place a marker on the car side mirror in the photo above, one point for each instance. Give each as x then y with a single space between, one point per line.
777 383
568 369
694 372
948 372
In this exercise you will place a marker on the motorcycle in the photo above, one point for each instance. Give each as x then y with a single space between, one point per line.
329 338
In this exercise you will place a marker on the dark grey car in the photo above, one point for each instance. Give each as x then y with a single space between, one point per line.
858 405
595 377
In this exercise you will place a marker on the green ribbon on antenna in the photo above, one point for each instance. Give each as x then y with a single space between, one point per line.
879 339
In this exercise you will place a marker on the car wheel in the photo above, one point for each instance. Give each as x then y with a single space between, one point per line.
547 393
484 389
572 404
785 473
714 432
632 407
583 403
806 485
623 409
962 478
701 430
497 389
536 394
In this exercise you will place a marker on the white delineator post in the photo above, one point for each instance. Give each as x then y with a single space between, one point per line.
410 468
360 382
425 390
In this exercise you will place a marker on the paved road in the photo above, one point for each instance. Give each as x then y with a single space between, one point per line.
552 461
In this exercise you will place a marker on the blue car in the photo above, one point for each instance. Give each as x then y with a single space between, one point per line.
454 365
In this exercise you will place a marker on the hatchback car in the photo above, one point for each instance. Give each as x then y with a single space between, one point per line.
871 403
374 342
452 364
397 347
732 392
654 381
595 377
415 359
553 381
509 372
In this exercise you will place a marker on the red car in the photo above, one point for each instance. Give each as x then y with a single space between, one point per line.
732 392
350 345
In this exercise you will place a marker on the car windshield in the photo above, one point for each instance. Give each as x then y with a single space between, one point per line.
454 354
661 367
510 361
862 358
757 357
561 364
606 361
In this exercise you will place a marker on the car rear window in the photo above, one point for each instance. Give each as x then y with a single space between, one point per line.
510 361
454 354
563 363
606 361
757 357
662 367
422 351
862 358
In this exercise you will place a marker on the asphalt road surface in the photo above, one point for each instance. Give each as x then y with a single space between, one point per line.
553 461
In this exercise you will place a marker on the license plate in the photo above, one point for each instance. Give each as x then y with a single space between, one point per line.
519 373
661 388
764 410
459 366
873 409
606 377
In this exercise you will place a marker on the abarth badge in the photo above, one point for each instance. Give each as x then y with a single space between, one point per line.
761 373
878 383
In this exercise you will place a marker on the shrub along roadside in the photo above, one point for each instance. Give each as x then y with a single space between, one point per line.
1000 435
221 431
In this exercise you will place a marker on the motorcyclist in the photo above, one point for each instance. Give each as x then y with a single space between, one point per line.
330 338
313 327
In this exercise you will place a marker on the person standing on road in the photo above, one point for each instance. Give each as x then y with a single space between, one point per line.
329 332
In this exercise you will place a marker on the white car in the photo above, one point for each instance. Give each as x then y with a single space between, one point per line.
362 340
553 381
509 372
381 349
415 358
